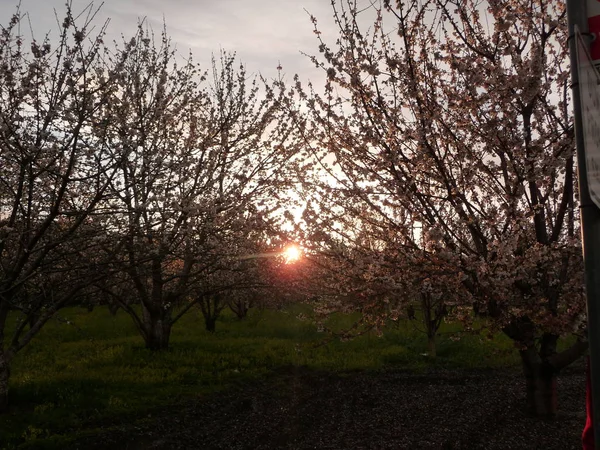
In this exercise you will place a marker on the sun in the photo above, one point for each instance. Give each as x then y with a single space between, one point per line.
291 253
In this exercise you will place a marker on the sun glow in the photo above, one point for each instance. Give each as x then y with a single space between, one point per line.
291 253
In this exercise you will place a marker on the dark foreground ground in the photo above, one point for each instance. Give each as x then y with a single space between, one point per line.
301 409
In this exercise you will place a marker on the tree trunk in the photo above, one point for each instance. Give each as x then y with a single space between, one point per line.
157 329
113 307
211 324
32 318
540 385
240 308
431 346
4 376
211 307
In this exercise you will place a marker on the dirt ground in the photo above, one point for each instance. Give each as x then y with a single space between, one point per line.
302 409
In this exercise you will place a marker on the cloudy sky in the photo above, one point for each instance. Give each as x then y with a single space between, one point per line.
262 32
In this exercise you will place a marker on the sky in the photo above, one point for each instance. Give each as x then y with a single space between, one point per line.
263 33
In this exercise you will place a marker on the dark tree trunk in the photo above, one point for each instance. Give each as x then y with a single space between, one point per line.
211 307
211 324
113 307
540 385
4 376
240 307
541 366
157 329
410 312
159 332
434 311
32 318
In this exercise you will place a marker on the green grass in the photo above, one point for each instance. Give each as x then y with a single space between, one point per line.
95 368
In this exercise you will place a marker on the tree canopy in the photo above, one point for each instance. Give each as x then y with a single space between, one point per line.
446 132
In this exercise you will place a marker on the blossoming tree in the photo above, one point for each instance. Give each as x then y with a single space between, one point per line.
201 158
54 172
453 116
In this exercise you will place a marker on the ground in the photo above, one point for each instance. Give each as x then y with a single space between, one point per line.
302 409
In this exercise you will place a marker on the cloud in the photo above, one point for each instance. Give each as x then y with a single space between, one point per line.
263 33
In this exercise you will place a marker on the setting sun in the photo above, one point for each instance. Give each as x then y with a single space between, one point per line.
291 253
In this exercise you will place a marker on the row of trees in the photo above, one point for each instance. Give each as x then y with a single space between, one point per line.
437 167
128 174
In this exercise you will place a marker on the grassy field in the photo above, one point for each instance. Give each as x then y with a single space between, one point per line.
86 369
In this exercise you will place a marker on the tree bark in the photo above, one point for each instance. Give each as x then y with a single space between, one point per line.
540 385
211 324
157 328
541 367
211 307
113 308
240 308
4 376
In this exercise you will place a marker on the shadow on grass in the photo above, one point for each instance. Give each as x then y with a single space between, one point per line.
95 371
